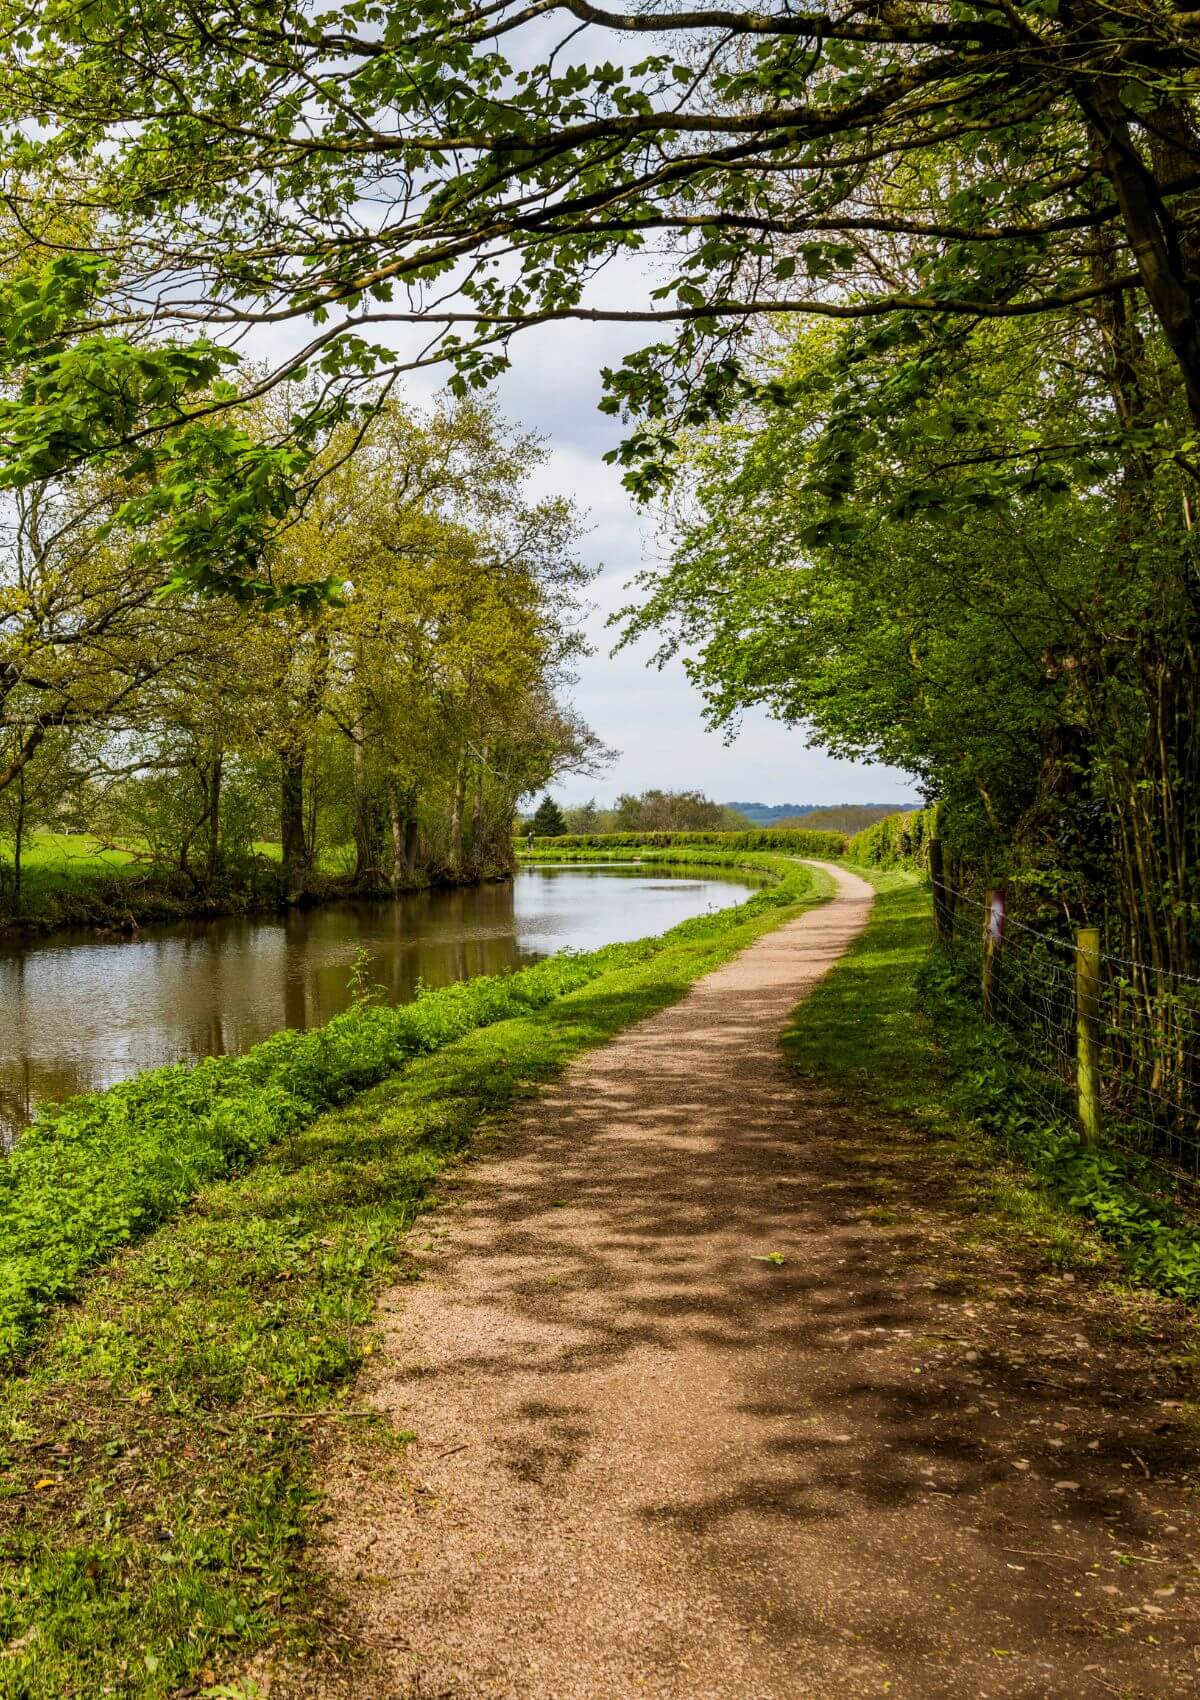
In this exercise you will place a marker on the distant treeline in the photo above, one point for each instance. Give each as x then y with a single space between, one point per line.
801 814
691 811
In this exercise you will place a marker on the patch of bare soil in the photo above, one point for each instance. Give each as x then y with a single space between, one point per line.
713 1402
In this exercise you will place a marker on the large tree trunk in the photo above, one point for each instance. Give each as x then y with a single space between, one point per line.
212 860
477 845
1162 260
293 842
396 822
366 860
17 844
405 832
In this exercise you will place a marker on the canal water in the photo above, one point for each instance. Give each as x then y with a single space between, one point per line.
79 1012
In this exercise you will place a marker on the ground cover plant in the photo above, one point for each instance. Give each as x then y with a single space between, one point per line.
156 1449
929 1056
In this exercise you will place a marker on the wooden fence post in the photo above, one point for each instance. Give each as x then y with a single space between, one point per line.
993 945
1087 1026
943 920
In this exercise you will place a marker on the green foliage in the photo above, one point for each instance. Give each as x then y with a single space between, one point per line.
548 821
897 841
1115 1189
525 135
671 811
769 838
102 1169
405 718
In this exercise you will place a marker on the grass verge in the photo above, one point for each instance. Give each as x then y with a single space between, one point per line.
156 1450
94 1173
890 1022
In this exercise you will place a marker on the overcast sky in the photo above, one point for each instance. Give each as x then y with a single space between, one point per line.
652 719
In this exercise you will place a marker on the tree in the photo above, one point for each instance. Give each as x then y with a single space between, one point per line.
1022 645
84 640
669 811
583 818
548 821
405 718
911 169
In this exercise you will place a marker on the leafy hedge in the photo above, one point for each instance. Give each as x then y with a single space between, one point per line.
1119 1192
785 839
96 1172
897 841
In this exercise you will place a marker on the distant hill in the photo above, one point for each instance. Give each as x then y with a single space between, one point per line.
820 817
770 814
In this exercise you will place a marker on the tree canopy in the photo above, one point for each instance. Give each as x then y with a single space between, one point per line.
402 720
175 178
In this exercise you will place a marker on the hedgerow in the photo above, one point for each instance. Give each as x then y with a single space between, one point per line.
897 841
783 839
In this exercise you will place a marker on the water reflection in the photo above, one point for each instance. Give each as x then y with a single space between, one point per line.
79 1012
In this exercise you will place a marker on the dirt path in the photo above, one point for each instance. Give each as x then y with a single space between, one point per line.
650 1463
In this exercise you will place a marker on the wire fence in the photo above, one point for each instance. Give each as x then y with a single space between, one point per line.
1124 1058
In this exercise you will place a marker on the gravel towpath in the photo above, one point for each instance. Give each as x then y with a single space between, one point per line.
710 1407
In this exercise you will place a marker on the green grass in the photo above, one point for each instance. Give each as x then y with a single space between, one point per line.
156 1473
72 879
870 1029
860 1028
92 1174
54 857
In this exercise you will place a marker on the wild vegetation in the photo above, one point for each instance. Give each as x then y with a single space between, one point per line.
379 738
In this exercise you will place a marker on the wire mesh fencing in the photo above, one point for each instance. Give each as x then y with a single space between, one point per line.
1111 1042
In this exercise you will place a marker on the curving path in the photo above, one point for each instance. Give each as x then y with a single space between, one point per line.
648 1462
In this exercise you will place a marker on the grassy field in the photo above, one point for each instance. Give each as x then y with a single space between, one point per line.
157 1451
72 879
53 857
57 856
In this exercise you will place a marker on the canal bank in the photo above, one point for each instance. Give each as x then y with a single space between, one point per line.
82 1012
158 1445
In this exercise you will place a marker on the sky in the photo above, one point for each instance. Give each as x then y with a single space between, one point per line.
653 719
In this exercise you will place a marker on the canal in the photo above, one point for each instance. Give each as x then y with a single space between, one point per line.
79 1011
